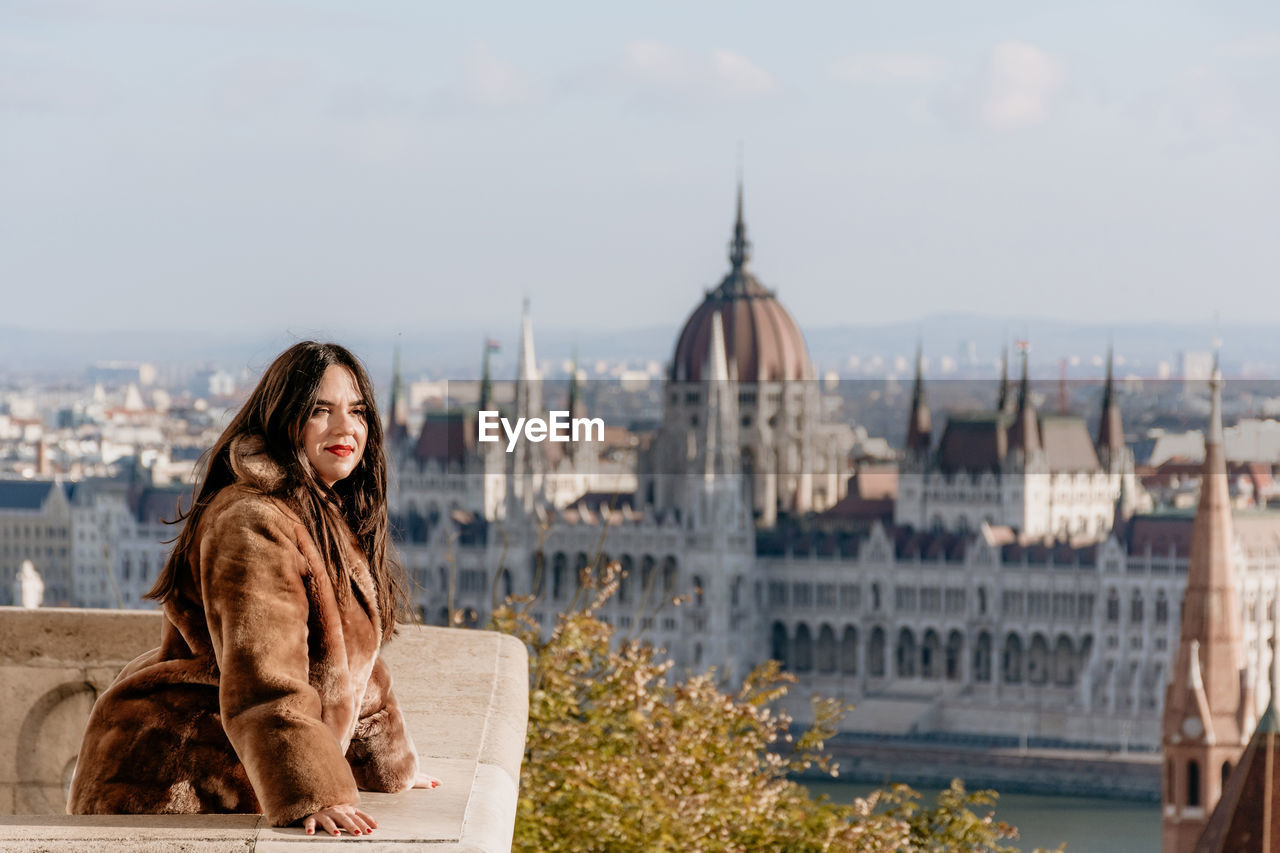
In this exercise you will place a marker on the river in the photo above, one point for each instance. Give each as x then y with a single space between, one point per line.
1086 824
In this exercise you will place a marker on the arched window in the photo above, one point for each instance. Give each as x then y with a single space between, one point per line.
1162 608
669 576
581 572
1113 606
849 651
875 653
955 654
905 653
982 658
778 645
559 566
804 649
1064 662
1012 659
931 655
1193 783
504 584
1135 608
1038 660
826 650
626 568
698 591
646 576
537 573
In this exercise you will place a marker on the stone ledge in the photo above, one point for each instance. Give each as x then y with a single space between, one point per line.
464 694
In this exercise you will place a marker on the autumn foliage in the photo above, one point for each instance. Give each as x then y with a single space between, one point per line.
622 757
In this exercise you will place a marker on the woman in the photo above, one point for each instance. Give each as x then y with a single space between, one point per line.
267 693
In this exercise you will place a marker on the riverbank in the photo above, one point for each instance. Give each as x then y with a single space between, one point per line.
1085 824
1058 772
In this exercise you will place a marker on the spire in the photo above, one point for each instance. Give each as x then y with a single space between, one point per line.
721 419
717 361
527 368
575 391
738 282
919 427
1002 399
398 410
1122 510
525 466
740 247
1025 432
1110 430
486 377
1210 640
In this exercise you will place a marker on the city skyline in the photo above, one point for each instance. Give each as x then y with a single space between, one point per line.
268 167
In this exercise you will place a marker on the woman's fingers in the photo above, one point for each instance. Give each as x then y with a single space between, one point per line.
336 819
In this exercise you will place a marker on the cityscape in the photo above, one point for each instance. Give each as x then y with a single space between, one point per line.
995 578
931 356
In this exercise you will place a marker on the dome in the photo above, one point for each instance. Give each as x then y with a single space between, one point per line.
762 341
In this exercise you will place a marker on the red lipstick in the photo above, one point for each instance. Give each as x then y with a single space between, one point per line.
340 449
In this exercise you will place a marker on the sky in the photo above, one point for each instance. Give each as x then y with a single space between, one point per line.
422 166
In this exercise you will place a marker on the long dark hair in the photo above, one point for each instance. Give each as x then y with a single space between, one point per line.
275 414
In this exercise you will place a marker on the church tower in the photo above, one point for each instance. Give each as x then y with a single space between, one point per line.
1207 714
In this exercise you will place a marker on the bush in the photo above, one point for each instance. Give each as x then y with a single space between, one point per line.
619 757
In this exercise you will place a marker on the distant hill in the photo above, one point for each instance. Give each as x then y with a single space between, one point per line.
973 341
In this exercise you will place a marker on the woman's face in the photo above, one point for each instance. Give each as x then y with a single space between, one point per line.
334 434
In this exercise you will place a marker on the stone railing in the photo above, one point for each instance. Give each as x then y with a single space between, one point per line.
464 695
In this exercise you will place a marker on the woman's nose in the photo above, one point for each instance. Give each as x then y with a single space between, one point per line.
345 423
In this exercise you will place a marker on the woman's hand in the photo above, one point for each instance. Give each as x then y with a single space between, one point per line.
334 819
422 780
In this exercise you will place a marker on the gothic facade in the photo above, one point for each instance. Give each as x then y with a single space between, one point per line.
1012 593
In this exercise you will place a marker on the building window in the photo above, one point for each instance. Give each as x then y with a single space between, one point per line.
1193 783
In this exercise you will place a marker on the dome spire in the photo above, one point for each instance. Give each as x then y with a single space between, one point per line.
740 248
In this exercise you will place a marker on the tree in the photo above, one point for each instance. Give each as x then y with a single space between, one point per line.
620 757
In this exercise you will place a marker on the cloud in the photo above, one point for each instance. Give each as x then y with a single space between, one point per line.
488 81
882 67
737 77
1021 81
1254 46
719 75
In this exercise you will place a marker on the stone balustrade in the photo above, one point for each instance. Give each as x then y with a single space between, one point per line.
464 694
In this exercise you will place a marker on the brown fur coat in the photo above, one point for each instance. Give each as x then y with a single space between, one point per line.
265 694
